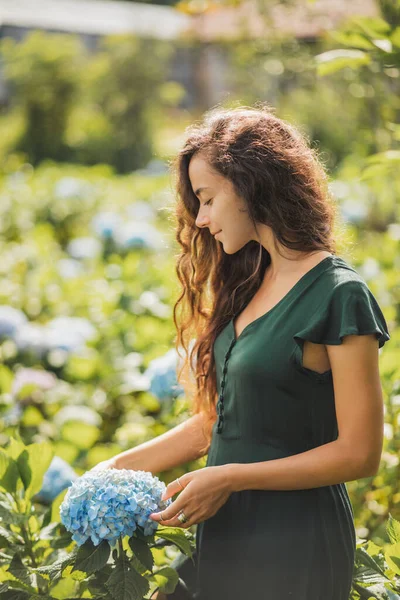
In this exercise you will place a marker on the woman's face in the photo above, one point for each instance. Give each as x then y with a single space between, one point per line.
220 208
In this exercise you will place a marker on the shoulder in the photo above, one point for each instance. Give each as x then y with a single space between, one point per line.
342 304
339 280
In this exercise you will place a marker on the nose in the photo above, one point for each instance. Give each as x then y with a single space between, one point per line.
202 220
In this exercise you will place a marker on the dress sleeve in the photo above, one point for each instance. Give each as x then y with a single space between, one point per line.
351 309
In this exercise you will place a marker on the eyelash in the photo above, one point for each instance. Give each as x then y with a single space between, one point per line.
208 201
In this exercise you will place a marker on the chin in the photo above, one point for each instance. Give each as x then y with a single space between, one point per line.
229 250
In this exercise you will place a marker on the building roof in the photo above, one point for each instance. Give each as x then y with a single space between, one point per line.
95 17
303 19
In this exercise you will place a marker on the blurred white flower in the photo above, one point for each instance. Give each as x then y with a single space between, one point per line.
85 414
84 247
353 210
394 231
391 460
42 379
134 234
134 381
370 268
31 337
69 268
78 324
141 211
152 302
10 320
69 333
70 187
105 223
388 431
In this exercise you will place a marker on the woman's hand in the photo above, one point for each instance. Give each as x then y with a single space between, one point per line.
205 491
105 464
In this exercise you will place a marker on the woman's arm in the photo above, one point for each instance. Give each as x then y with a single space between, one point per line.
356 453
177 446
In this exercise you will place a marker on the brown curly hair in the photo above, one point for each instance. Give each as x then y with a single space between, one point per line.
285 186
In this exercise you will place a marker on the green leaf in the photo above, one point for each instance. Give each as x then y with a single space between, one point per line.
367 560
7 516
6 379
10 536
9 473
334 60
167 579
14 584
61 541
91 558
19 570
13 595
177 536
55 507
393 529
371 26
54 571
33 464
14 448
142 552
81 435
351 39
126 583
392 557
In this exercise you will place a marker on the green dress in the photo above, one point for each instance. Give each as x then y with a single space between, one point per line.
283 544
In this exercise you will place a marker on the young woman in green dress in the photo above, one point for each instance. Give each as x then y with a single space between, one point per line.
287 401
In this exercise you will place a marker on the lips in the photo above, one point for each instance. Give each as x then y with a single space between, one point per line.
217 232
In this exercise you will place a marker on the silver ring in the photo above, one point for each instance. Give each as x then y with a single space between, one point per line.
182 517
161 519
180 483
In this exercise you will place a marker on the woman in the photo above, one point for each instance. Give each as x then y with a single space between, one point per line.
288 402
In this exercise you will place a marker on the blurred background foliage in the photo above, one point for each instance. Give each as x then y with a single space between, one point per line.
87 242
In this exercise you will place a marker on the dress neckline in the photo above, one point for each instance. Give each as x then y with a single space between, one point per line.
298 285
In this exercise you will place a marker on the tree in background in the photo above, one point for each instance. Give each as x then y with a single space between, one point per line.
87 108
43 74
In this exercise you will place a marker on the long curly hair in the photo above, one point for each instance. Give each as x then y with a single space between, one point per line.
284 184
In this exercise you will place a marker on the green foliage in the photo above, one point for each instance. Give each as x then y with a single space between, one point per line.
39 559
371 53
126 81
43 72
69 105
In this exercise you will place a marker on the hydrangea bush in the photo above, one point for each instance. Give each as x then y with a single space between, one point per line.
115 550
57 478
109 503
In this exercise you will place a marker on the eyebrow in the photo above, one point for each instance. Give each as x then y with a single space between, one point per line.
197 192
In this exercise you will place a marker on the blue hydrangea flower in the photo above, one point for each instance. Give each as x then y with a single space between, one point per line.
58 476
162 375
108 503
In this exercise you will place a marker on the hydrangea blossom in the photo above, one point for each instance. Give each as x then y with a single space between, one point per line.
163 377
58 476
39 377
105 504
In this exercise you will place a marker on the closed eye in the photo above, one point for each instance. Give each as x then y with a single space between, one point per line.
208 202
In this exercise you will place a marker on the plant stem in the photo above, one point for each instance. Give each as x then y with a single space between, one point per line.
120 547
